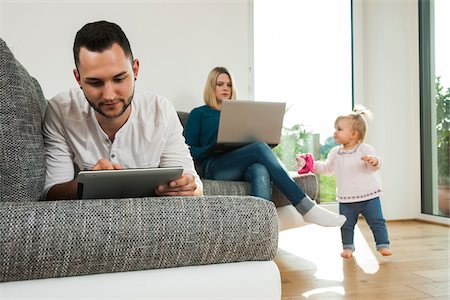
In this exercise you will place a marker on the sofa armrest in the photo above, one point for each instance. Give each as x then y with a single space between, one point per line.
307 182
69 238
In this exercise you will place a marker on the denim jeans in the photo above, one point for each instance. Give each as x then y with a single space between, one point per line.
258 165
371 211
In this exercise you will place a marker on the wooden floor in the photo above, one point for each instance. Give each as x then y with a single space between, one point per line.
311 267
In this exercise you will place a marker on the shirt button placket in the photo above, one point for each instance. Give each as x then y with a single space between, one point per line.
113 153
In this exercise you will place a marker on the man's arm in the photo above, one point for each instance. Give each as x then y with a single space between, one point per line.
63 191
176 153
59 178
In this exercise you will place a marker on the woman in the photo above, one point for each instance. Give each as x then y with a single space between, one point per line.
254 163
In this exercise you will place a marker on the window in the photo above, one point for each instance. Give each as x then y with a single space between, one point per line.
435 105
303 56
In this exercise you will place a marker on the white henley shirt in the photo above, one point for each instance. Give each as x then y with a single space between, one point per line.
151 137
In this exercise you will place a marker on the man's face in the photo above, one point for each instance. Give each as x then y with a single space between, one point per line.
107 80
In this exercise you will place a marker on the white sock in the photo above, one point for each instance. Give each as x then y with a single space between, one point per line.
323 217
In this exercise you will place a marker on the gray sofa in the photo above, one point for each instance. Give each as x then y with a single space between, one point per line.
55 239
40 239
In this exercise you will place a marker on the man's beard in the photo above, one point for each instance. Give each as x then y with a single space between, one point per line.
121 112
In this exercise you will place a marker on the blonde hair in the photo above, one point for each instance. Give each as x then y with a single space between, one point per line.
209 95
358 120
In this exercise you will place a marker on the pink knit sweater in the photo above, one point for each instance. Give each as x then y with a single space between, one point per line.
356 180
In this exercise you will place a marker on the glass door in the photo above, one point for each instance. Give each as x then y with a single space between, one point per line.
435 105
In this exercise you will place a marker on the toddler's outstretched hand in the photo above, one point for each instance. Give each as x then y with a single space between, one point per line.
300 162
370 160
304 163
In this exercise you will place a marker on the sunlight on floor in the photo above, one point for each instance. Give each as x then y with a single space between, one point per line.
364 253
302 242
332 289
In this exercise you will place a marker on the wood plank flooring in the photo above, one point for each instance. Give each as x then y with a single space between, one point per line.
311 267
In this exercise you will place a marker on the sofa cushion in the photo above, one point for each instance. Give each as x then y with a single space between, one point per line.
224 187
68 238
21 145
183 116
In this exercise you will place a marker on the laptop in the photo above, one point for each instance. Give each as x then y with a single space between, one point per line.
243 122
126 183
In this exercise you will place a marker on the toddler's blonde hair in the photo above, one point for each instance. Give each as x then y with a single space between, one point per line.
358 120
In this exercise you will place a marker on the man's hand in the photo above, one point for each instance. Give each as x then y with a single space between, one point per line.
68 190
104 164
370 160
183 186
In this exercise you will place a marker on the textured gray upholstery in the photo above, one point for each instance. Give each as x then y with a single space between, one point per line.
44 239
21 145
67 238
307 182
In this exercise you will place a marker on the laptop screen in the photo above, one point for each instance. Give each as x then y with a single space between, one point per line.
243 122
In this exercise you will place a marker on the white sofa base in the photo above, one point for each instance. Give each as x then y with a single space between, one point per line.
244 280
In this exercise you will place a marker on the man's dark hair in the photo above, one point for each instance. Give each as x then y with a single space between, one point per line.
100 36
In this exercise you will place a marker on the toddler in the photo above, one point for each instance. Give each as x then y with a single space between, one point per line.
358 182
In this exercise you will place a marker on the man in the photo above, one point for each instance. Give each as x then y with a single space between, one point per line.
106 124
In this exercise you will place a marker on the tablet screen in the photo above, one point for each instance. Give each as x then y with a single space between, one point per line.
126 183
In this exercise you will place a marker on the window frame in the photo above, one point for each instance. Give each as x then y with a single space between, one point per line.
428 134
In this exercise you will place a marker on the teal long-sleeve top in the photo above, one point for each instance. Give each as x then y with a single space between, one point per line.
201 131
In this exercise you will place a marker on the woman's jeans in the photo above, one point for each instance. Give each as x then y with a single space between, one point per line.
258 165
371 211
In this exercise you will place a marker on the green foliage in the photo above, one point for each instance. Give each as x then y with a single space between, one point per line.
325 148
294 140
442 129
327 189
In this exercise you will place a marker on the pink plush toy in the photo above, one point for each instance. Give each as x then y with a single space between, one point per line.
304 163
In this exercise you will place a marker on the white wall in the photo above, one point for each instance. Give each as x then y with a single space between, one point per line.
177 42
387 81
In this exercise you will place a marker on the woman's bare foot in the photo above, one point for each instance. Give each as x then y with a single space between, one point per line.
347 253
385 251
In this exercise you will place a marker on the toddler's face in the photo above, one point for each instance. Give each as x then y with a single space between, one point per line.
344 131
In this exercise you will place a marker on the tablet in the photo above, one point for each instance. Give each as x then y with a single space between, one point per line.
126 183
